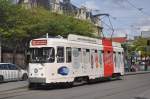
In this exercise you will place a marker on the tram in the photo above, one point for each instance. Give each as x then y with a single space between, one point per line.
75 58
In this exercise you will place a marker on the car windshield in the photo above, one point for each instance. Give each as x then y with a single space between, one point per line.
42 55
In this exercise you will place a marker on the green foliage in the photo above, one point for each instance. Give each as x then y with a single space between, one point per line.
141 45
19 25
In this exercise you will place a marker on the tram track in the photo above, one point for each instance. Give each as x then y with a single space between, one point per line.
12 92
18 92
13 89
22 91
25 92
108 92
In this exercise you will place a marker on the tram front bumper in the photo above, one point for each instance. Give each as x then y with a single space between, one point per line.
37 80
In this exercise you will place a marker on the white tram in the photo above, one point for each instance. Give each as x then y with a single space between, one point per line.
77 58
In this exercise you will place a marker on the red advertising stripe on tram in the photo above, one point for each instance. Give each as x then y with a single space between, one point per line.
108 58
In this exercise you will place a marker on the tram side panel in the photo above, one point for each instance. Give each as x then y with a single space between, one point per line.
95 65
61 69
108 58
86 62
76 61
92 61
118 60
101 62
81 62
86 66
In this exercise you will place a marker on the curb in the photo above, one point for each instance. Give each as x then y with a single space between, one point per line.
134 73
12 89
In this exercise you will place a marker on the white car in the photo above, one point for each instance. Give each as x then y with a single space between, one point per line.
10 72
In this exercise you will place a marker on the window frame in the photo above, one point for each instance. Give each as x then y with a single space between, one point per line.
60 58
68 54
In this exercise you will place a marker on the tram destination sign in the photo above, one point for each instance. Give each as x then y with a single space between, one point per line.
39 42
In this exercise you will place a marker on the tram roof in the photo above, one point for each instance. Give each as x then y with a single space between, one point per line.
71 38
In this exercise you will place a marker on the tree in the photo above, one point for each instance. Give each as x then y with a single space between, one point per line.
141 45
19 25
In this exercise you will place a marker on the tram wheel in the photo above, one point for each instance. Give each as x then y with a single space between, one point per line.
32 86
1 78
24 77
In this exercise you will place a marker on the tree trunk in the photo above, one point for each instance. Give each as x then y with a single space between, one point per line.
14 55
15 52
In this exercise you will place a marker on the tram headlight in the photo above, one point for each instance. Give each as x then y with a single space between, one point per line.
35 70
42 74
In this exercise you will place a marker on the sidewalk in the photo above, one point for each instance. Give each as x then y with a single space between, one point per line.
138 72
12 85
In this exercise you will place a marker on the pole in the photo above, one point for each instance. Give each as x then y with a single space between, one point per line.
0 49
47 35
146 58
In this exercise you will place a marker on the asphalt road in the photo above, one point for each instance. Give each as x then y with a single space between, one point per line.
131 87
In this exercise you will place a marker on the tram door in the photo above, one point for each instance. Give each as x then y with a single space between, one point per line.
100 52
93 65
77 61
114 61
86 61
118 61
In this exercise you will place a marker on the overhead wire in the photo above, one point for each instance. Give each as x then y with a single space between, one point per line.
132 5
114 18
125 28
139 9
111 27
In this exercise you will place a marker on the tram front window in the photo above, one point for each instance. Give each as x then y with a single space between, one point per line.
42 55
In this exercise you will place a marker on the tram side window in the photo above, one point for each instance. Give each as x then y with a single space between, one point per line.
118 59
114 57
100 57
60 54
79 49
52 55
68 54
87 56
121 58
95 51
87 50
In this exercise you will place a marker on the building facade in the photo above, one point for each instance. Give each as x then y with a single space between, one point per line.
67 8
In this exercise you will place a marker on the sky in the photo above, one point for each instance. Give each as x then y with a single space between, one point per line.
128 17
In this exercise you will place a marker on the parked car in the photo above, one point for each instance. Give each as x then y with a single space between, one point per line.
11 72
